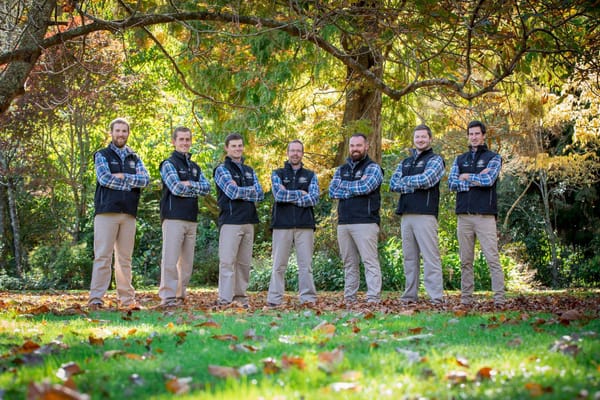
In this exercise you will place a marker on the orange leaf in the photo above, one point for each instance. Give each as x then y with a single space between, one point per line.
170 325
48 391
270 366
535 389
131 332
355 329
292 361
209 324
225 337
28 347
325 328
223 372
329 360
415 331
485 373
95 340
133 356
178 385
369 315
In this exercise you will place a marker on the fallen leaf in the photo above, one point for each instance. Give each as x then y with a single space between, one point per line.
352 376
570 315
223 372
67 370
456 377
485 373
325 328
96 341
48 391
248 369
415 331
131 331
292 361
329 360
535 389
245 348
112 354
515 342
136 379
209 324
270 366
27 347
178 385
225 337
463 362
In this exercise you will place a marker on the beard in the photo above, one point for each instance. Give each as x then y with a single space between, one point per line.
357 155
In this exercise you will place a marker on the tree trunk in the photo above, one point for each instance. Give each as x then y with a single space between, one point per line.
362 112
15 226
12 79
554 262
3 244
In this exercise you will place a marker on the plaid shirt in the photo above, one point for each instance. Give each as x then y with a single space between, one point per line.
434 170
370 181
170 177
481 179
130 181
296 197
249 193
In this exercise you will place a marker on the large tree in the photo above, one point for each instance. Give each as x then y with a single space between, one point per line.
451 48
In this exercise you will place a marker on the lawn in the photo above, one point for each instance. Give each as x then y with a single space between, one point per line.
541 345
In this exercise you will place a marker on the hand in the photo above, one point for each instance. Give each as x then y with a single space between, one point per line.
464 177
119 175
186 183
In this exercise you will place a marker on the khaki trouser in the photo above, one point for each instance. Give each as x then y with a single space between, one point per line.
482 227
179 241
113 232
358 242
283 239
235 257
420 239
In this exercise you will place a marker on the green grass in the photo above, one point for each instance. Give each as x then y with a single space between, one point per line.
530 357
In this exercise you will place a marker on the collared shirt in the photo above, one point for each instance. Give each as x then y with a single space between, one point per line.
249 193
130 181
370 181
481 179
434 170
295 197
170 177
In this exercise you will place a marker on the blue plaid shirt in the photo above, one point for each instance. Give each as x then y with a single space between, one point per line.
434 170
296 197
481 179
370 181
130 181
170 177
249 193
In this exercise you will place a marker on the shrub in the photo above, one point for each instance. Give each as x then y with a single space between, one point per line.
66 266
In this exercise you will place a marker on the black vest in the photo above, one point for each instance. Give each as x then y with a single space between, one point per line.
236 212
421 201
477 200
358 209
177 207
108 200
289 215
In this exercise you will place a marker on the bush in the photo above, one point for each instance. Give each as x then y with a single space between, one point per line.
66 266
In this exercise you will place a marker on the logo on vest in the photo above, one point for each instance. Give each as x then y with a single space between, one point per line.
302 179
132 164
248 175
480 163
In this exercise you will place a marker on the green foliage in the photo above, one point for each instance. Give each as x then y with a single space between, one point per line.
66 266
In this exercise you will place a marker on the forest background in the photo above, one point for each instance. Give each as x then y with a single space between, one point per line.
317 71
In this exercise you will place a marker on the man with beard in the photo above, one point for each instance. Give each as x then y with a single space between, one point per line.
296 191
356 185
473 177
120 174
183 182
417 179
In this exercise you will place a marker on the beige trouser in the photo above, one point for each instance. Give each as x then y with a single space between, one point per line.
303 239
420 239
113 232
359 242
235 257
179 241
482 227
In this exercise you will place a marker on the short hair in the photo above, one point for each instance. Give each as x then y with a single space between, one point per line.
296 141
475 124
358 134
118 121
180 129
423 127
233 136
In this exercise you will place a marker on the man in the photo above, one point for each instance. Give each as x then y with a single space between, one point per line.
473 176
417 179
296 191
237 191
120 174
182 182
356 184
